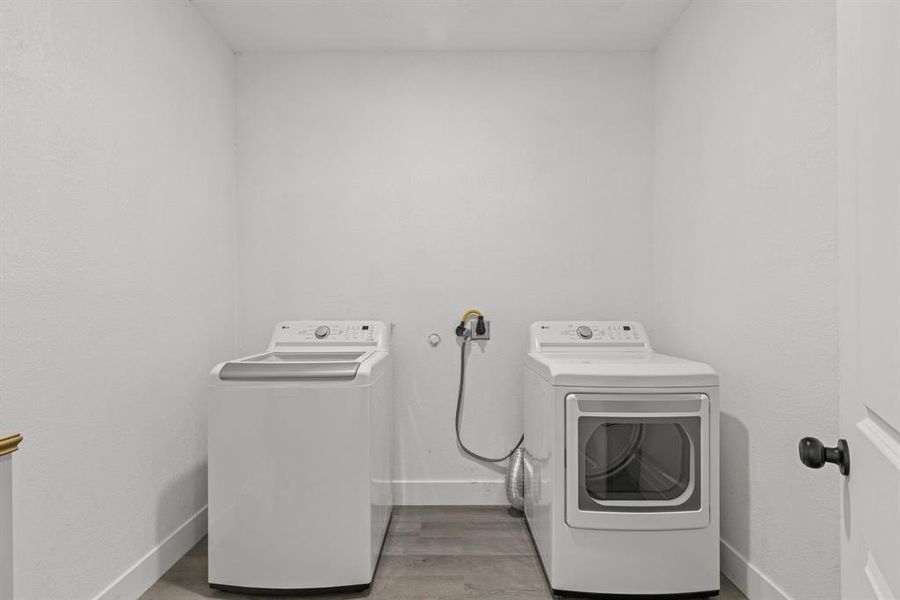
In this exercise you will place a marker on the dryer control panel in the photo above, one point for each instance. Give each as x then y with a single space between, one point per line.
324 334
586 335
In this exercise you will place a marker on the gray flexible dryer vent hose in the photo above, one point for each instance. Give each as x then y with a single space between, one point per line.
515 480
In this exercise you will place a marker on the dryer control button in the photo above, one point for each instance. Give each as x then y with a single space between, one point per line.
322 332
585 332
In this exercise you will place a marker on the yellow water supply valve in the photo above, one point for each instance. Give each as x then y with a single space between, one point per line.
480 327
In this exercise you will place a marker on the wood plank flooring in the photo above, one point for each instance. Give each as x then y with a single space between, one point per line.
431 553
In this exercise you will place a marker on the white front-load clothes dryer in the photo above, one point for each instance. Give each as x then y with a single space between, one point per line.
300 460
621 463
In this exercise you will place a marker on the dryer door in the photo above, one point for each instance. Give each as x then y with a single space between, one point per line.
637 461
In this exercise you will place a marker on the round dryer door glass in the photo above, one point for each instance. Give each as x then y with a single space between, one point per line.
637 463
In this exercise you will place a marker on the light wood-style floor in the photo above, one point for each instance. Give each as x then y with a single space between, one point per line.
431 553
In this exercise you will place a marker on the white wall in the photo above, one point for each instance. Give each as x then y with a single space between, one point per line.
410 187
117 277
745 266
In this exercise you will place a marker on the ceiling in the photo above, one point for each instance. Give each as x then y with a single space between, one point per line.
441 25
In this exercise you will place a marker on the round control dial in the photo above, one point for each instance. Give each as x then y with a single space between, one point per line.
322 332
584 332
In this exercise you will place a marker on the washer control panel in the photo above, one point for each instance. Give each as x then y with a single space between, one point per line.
331 333
577 335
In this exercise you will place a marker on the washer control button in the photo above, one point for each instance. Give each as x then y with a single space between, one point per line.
585 332
322 332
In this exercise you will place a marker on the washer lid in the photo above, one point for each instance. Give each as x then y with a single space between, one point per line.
294 366
620 369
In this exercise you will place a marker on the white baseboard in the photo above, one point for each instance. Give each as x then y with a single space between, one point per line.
425 493
144 573
747 577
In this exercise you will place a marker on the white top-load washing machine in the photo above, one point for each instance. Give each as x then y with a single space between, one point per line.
300 459
621 463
